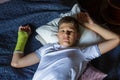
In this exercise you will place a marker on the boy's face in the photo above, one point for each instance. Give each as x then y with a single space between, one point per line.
67 35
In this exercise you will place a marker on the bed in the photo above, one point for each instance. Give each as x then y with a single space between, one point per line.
36 12
18 12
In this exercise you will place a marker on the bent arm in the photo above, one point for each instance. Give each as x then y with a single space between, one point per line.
19 60
111 39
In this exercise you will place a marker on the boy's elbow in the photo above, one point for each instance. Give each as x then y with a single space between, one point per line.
15 65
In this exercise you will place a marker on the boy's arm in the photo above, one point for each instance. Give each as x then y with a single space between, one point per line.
19 60
111 39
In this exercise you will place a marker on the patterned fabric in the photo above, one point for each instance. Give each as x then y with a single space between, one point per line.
92 73
18 12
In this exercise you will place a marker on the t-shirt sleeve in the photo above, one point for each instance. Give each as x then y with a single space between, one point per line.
38 53
42 51
91 52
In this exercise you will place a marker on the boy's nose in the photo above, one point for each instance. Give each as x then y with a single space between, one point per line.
67 32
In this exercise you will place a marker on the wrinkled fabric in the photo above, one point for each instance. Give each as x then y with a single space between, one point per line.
18 12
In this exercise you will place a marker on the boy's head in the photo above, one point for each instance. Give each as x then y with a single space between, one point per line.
68 31
69 19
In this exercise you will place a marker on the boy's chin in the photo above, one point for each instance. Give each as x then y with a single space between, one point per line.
66 45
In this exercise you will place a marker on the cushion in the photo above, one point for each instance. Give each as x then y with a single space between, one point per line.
47 32
92 73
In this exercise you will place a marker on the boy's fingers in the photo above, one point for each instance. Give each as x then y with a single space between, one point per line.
25 28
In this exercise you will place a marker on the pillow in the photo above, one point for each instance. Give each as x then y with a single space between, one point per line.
92 73
47 33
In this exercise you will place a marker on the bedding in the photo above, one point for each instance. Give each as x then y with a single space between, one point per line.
18 12
51 30
39 12
47 34
102 65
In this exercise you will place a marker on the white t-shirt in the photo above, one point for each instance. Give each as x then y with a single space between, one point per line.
60 63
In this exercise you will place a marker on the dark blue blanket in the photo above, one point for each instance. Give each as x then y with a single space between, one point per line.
19 12
39 12
109 63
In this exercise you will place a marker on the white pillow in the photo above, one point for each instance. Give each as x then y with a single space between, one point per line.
47 33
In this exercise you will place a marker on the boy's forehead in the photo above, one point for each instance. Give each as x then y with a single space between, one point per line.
64 25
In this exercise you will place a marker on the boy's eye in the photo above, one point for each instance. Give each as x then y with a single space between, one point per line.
68 31
61 31
72 31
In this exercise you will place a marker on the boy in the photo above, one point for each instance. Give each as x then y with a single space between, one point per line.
64 60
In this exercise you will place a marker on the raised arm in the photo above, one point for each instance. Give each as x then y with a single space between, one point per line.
111 39
19 60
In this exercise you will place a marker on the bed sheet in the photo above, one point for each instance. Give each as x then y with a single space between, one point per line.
39 12
18 12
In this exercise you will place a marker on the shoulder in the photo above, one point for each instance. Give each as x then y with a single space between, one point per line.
91 52
48 45
42 50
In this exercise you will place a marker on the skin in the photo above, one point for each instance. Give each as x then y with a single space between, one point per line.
111 39
19 60
68 37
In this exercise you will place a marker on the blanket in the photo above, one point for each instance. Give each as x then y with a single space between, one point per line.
39 12
18 12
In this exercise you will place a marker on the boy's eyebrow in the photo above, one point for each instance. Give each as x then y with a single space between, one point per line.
69 27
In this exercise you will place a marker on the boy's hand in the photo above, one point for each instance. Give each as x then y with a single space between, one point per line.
85 20
23 34
26 29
